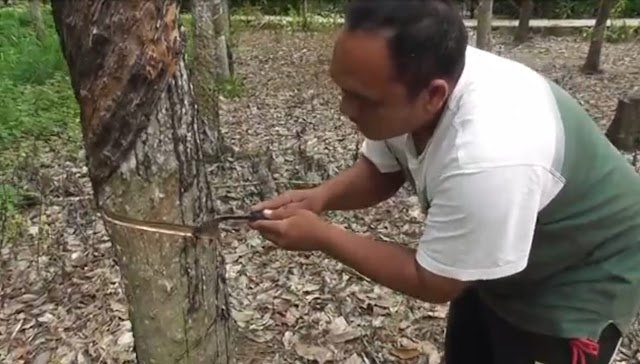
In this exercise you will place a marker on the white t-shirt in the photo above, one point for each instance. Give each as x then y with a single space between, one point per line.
486 172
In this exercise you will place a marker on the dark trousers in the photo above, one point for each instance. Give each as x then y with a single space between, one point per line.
476 335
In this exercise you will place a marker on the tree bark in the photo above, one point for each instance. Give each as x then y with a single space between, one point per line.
227 32
483 31
624 130
221 24
35 13
145 147
592 62
205 66
526 11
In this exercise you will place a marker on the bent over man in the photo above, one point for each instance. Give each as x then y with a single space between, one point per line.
532 229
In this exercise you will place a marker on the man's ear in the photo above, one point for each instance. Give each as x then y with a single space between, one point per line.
436 94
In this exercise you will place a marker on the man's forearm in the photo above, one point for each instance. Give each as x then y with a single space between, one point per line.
359 187
391 265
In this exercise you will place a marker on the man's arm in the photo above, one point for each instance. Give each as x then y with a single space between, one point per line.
389 264
480 227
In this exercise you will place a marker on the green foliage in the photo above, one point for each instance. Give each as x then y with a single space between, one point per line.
37 99
232 88
9 200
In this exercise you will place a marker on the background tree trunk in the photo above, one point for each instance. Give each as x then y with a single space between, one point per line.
205 65
526 11
483 31
145 146
592 62
227 31
221 24
35 13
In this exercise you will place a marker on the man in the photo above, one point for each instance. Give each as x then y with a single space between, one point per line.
533 217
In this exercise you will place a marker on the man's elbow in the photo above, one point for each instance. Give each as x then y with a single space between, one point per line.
437 289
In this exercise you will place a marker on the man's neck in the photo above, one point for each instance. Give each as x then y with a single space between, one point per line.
422 135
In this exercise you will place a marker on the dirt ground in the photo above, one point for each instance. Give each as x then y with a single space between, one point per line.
61 296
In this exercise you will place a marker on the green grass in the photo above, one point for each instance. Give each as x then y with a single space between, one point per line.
37 99
37 106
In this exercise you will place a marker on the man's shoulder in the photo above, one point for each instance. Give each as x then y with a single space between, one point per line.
505 117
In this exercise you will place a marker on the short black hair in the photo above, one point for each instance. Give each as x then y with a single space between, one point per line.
428 38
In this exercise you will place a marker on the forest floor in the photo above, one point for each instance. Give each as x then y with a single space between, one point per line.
61 300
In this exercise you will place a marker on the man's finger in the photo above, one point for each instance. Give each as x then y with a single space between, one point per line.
274 203
281 213
267 226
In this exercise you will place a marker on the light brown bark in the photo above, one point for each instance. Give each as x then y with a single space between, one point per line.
592 62
624 130
483 32
35 13
205 66
221 24
145 145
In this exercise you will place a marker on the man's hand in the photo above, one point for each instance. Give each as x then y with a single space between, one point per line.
292 228
311 199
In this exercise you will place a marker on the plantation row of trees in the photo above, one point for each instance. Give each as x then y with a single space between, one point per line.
550 9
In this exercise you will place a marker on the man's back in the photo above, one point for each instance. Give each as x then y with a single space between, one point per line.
583 265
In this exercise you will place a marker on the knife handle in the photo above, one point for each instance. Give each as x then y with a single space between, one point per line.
256 215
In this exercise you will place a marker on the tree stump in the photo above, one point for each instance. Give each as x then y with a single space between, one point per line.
624 130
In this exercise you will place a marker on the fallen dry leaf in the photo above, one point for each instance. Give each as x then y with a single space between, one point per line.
354 359
64 296
311 352
340 331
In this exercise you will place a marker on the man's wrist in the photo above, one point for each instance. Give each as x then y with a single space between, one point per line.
323 194
331 235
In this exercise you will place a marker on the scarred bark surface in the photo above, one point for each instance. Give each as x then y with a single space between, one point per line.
145 146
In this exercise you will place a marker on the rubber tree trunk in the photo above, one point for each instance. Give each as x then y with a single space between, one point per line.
144 144
227 31
526 11
483 31
221 24
35 14
592 62
205 65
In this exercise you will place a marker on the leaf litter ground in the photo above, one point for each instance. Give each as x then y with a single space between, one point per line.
61 296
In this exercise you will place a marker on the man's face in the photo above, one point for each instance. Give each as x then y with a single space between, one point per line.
372 96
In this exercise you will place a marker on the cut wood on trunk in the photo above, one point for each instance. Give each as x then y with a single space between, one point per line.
624 130
145 145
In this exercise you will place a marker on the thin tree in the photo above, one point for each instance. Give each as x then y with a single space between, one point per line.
145 144
526 11
592 62
205 65
483 30
221 24
35 14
